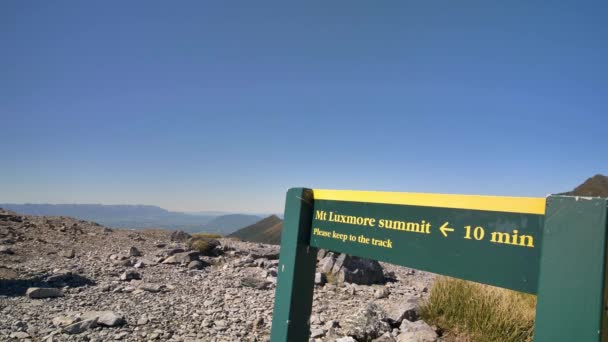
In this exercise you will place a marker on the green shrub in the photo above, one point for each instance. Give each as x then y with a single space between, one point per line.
481 312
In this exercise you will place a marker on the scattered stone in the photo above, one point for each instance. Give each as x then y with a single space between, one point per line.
180 236
6 250
320 278
387 337
43 292
154 288
417 331
355 270
129 275
346 339
256 283
397 311
229 300
367 323
314 333
67 253
196 265
134 252
258 323
19 335
181 258
382 293
81 326
105 318
64 321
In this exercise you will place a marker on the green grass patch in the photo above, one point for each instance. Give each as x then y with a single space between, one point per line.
481 312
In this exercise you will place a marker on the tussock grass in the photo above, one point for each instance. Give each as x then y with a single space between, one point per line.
203 242
331 278
481 312
202 246
206 236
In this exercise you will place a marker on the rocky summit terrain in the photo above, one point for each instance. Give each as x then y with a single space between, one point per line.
63 279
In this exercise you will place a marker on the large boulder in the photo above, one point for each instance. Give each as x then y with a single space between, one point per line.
349 269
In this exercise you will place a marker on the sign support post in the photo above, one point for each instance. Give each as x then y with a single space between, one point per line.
572 278
295 283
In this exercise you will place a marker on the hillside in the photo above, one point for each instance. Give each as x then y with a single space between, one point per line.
267 230
596 186
226 224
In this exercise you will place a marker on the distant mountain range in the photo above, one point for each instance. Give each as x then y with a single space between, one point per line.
140 216
269 229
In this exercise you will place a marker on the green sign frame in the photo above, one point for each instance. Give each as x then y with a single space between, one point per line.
554 248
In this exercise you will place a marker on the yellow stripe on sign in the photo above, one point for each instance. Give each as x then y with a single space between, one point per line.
524 205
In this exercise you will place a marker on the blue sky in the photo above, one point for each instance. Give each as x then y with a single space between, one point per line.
224 106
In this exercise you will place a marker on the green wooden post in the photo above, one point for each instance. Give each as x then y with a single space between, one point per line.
571 288
295 284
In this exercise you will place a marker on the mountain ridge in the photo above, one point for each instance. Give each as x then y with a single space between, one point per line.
596 186
267 230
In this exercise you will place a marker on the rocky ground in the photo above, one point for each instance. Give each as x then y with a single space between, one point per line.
63 279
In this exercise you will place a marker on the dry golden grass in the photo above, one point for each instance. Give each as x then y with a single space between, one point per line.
206 236
476 312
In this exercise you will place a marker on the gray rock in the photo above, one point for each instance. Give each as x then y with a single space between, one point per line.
356 270
314 333
64 321
81 326
327 263
154 288
387 337
174 251
396 312
367 323
6 250
256 283
134 252
67 253
346 339
105 318
196 265
181 258
180 236
382 293
129 275
417 331
320 278
321 254
43 292
19 335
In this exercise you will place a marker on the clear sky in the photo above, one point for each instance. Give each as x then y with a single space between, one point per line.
194 105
